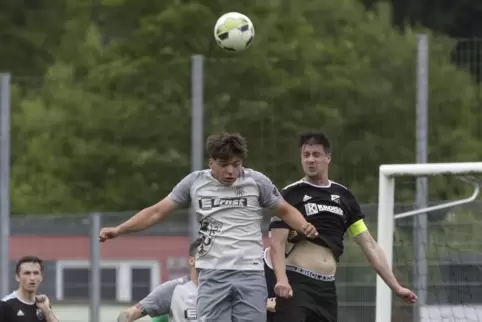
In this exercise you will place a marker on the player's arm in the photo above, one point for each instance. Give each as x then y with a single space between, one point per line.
358 230
158 302
149 216
278 239
377 259
272 199
294 219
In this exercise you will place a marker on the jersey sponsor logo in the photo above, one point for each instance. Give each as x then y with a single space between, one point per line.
210 229
335 198
313 209
190 314
212 203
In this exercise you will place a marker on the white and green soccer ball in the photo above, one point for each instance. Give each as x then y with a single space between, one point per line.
234 31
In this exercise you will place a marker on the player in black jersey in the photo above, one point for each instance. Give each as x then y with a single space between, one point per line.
24 305
307 270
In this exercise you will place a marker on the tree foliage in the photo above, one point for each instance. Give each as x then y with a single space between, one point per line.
108 126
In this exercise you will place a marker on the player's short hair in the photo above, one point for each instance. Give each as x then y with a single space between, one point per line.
225 146
194 246
315 138
29 259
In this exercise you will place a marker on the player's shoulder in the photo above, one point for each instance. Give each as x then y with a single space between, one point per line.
257 176
337 187
199 174
251 173
185 285
178 281
9 298
294 186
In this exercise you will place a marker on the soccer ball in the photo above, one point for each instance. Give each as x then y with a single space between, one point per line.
234 31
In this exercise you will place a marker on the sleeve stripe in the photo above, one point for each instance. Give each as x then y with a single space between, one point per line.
357 228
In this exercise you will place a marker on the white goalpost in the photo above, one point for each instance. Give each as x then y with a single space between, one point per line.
387 217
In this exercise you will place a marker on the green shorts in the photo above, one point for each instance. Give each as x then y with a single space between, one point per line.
162 318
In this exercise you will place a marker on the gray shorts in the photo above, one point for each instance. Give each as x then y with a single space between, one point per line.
229 295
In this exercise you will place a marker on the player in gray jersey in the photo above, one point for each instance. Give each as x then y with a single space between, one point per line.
229 202
175 297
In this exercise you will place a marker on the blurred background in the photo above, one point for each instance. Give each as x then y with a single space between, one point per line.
110 102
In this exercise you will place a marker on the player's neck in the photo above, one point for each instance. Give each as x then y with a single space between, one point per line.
193 277
318 181
26 297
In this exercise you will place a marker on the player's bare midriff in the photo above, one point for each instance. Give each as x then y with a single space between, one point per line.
313 257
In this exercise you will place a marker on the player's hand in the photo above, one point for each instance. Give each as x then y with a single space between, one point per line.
108 233
42 302
310 231
406 294
271 305
283 289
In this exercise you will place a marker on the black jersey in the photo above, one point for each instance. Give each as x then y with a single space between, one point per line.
332 209
18 310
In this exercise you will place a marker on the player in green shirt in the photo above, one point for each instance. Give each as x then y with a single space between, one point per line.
162 318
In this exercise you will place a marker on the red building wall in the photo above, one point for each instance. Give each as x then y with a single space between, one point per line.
53 248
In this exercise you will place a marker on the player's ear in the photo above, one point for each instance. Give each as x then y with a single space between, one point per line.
191 261
328 158
211 163
17 278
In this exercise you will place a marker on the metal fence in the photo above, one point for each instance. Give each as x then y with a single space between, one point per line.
204 97
132 266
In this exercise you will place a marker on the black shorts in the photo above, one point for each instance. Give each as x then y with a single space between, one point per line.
314 298
270 283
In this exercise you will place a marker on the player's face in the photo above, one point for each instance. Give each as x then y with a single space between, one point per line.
226 171
314 160
29 277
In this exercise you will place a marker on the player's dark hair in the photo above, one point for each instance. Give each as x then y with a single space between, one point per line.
29 259
225 146
312 138
194 246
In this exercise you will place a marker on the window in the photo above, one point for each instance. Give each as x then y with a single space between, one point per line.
122 281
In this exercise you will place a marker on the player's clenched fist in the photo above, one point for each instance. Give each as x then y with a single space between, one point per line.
108 233
310 231
283 289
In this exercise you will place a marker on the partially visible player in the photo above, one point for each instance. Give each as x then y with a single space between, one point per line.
174 301
229 201
24 304
270 283
176 298
309 268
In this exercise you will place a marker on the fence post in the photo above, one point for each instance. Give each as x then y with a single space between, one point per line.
420 221
197 129
4 183
95 267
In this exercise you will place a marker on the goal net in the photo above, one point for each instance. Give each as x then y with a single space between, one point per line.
435 248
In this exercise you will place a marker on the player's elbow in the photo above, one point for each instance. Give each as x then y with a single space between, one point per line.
125 316
162 209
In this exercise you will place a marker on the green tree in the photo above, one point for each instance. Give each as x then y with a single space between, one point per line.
329 65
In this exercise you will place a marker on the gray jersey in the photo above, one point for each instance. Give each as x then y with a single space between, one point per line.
183 304
158 302
230 217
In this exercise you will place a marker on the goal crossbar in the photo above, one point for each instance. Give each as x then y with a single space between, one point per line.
449 204
386 215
